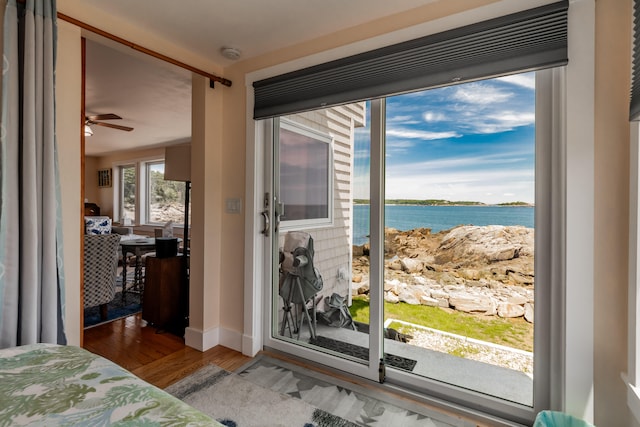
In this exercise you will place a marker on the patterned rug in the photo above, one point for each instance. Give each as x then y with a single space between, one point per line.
269 392
236 402
117 309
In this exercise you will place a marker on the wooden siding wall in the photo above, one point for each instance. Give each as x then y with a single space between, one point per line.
333 244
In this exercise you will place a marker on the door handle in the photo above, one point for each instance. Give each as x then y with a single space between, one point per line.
267 223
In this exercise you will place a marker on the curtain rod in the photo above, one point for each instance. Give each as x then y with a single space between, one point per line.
212 77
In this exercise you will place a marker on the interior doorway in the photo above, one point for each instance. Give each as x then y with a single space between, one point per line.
135 106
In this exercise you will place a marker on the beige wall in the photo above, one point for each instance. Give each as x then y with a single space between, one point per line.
613 36
68 126
91 190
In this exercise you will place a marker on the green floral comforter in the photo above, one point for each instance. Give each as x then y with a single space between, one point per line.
52 385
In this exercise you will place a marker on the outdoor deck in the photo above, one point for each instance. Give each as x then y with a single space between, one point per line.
483 377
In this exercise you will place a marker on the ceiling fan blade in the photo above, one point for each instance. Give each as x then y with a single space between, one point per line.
109 125
109 116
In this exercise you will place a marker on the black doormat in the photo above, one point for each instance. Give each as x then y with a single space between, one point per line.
362 352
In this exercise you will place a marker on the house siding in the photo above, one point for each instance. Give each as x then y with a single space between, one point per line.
332 243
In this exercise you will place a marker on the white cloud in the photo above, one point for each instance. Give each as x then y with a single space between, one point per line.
502 121
361 154
400 118
400 144
524 80
461 163
497 186
480 93
420 134
514 118
431 116
493 178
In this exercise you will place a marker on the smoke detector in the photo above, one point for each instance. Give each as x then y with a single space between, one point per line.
230 53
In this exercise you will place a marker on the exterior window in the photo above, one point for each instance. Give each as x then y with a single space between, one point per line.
305 175
127 192
633 372
165 199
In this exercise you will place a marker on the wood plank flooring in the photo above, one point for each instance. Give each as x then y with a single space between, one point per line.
157 357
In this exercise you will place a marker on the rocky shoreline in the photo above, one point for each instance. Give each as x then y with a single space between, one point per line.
486 270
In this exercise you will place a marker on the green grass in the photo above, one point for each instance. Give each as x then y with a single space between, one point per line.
463 351
515 333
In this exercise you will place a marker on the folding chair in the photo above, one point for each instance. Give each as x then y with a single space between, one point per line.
299 283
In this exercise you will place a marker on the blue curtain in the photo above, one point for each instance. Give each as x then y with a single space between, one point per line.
31 273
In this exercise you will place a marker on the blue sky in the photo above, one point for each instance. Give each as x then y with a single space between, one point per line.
473 141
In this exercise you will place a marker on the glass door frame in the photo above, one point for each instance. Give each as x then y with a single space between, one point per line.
368 370
550 228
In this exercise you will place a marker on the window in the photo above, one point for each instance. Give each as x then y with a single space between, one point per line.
306 182
633 337
127 200
165 199
633 373
145 197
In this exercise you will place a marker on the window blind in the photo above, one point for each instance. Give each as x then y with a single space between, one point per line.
634 110
527 40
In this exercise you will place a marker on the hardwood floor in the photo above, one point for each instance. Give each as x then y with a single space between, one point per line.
157 357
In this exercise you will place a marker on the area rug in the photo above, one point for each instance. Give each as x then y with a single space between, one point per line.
117 309
362 352
270 392
236 402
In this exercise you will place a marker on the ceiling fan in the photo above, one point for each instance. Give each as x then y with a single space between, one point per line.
93 120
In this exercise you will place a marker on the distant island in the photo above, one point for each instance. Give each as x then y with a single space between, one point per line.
438 202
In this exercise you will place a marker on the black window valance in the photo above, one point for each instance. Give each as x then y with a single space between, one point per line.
527 40
634 110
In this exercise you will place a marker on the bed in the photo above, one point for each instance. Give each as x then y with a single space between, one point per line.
47 384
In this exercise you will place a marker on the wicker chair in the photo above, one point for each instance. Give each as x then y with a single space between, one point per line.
100 270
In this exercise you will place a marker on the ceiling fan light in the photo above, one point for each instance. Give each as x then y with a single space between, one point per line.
87 130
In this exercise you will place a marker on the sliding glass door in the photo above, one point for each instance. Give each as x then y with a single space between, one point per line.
404 236
460 201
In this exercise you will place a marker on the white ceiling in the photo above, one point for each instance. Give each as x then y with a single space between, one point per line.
150 96
155 98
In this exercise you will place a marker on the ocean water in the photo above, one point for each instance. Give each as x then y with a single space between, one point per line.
438 218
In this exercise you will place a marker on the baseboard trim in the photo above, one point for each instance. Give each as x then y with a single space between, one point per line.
204 340
231 339
250 347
